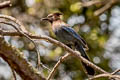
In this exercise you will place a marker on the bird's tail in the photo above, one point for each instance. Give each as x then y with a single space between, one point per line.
89 69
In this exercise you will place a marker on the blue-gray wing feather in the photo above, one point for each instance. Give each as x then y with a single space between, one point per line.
75 35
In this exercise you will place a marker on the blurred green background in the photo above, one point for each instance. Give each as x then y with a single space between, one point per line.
102 33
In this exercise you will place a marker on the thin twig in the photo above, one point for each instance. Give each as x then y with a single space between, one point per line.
116 71
106 7
90 3
105 75
107 4
5 4
45 66
56 66
13 72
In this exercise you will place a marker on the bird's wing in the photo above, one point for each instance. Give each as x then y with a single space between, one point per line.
76 36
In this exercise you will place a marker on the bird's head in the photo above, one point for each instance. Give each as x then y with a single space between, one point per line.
52 17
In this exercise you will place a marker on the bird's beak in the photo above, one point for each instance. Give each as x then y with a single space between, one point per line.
42 19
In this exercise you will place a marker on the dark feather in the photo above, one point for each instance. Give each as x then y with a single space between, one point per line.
75 35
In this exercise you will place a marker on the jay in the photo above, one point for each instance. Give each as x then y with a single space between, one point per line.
69 37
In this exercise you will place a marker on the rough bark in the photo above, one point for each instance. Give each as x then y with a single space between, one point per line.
17 62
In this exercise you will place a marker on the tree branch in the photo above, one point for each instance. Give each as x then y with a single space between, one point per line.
17 61
5 4
56 66
90 3
110 76
116 71
107 5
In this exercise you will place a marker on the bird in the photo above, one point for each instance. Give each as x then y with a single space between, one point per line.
67 35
